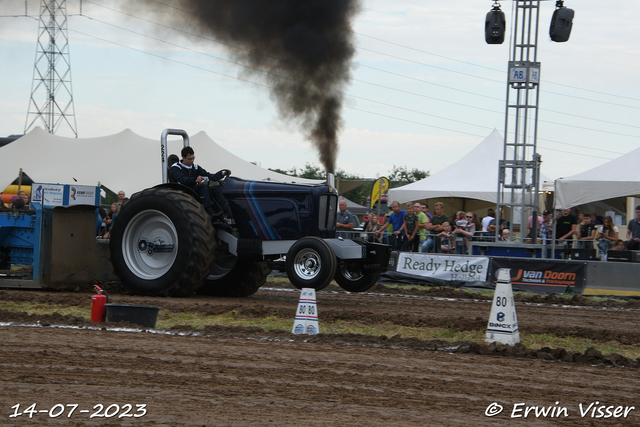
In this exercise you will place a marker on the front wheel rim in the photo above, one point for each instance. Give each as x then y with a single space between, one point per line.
351 273
307 264
223 263
150 244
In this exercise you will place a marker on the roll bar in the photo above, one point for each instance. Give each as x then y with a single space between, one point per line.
164 154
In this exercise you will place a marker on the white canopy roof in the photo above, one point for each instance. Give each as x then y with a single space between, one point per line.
124 161
617 178
475 176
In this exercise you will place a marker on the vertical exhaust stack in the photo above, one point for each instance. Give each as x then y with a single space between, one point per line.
331 180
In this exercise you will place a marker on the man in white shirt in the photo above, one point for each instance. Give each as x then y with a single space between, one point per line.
491 215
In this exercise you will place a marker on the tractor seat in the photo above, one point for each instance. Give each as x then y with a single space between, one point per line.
171 160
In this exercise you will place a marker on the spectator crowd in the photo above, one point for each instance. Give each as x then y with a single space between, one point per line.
412 228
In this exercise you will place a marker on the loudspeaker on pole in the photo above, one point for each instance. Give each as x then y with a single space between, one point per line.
306 321
495 26
561 23
503 323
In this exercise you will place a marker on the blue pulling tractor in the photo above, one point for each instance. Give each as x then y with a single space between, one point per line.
164 243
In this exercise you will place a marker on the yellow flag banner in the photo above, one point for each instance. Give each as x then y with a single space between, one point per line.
380 187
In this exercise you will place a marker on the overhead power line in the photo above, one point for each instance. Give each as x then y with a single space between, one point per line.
347 106
358 80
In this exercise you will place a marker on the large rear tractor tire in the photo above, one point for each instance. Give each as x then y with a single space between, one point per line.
234 277
351 277
162 243
311 263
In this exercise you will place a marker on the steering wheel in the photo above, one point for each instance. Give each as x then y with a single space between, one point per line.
224 176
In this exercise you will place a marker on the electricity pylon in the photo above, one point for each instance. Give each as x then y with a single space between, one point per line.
51 100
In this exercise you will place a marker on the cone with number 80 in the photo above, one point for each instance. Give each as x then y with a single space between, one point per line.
306 321
503 323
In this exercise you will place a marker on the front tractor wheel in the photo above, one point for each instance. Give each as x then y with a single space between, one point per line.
311 263
162 243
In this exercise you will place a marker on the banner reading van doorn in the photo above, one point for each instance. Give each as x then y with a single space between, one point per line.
545 276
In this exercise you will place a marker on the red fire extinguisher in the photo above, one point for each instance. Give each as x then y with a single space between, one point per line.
98 301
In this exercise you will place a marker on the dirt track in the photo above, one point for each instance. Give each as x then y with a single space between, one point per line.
244 376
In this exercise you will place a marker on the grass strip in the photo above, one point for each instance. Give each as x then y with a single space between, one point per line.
167 319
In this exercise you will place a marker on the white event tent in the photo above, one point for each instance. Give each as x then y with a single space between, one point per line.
355 208
617 178
474 176
124 161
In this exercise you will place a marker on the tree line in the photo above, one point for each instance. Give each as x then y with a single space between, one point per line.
398 176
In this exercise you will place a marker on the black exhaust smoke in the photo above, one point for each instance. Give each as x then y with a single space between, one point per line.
303 48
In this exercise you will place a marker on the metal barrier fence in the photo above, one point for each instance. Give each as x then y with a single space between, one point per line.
480 241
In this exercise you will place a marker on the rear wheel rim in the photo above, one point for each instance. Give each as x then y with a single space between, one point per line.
150 244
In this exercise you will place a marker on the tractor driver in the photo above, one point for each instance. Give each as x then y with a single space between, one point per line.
207 185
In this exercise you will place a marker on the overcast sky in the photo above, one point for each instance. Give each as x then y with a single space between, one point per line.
425 86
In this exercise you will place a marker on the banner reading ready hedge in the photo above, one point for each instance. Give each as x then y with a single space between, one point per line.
443 267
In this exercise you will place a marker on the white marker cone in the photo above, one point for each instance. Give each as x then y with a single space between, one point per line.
503 323
306 321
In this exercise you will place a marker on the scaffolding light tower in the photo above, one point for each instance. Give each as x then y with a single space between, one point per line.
51 102
519 174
